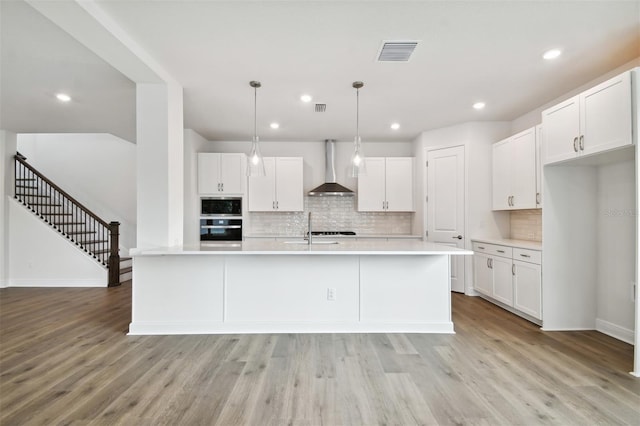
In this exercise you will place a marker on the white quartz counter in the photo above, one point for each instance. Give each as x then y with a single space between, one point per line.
524 244
299 247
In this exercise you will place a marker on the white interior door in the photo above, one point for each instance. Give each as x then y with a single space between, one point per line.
445 205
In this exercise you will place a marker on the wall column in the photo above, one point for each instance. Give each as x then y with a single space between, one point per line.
8 148
159 165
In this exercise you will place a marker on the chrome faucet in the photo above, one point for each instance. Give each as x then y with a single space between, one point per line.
309 230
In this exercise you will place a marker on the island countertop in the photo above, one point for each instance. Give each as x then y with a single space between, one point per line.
299 247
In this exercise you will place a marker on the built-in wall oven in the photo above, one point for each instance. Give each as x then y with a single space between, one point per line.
221 220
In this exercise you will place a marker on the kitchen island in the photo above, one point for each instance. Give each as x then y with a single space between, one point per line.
291 287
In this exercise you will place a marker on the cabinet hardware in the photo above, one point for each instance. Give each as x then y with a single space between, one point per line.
581 142
277 205
459 237
537 198
575 144
500 251
222 186
491 263
219 187
513 201
525 255
481 247
513 269
273 205
488 265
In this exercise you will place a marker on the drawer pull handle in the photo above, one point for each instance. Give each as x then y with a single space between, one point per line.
500 251
525 255
481 247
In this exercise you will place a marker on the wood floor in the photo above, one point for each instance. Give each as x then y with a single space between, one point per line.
65 359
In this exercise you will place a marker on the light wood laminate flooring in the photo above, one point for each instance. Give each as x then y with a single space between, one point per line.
65 359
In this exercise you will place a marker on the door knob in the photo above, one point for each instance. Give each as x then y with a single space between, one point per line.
459 237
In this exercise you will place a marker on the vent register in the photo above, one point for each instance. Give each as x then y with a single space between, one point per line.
396 51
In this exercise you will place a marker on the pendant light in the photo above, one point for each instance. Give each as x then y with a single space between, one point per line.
255 162
358 164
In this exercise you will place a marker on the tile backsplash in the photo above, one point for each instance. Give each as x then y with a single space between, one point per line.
328 214
526 225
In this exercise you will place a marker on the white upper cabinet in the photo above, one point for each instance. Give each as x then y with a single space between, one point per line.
281 188
594 121
539 168
388 185
514 172
220 173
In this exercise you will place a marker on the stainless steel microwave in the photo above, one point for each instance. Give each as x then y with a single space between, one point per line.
221 206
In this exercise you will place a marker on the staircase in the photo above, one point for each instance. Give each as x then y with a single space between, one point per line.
71 219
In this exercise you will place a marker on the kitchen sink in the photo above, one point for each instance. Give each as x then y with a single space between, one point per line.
313 242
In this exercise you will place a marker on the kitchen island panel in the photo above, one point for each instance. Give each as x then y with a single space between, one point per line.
177 294
287 289
401 290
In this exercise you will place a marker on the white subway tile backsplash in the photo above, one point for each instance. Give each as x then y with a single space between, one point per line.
329 214
526 225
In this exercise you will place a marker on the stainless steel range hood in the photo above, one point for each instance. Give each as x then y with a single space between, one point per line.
330 187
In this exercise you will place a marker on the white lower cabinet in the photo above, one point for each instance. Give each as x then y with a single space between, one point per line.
509 275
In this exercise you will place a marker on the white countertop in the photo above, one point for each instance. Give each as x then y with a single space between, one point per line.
524 244
362 236
343 247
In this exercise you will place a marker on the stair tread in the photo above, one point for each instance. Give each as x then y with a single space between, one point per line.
126 270
122 259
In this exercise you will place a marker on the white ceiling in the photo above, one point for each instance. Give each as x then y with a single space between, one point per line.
469 51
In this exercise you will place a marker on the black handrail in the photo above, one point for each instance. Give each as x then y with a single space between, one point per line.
67 215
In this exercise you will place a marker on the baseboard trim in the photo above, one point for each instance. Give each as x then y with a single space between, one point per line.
213 327
56 283
615 331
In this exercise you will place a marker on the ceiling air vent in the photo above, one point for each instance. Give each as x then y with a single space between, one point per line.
321 107
396 51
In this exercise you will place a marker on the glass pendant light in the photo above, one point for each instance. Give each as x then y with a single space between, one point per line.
358 164
255 162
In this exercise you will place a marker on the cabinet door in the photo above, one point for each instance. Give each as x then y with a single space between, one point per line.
561 125
231 175
605 115
502 175
371 188
289 177
482 274
208 173
502 280
523 170
539 168
399 184
262 193
527 283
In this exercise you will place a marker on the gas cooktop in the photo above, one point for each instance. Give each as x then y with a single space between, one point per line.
333 233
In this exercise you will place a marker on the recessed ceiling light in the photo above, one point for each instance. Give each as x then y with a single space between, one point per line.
479 105
62 97
274 125
395 126
552 54
306 98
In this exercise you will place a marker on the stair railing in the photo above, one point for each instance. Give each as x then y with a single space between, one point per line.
69 217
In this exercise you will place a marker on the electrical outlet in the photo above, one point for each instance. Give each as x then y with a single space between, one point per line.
331 294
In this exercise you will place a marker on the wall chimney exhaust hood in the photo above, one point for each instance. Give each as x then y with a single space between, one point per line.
330 187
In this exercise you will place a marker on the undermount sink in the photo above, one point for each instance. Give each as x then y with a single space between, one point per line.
313 242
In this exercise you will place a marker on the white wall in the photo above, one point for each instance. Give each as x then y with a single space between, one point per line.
616 247
8 143
40 257
99 170
477 138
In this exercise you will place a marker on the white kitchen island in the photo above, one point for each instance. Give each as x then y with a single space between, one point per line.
280 287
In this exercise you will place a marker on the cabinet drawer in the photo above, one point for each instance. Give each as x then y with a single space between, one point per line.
531 256
493 249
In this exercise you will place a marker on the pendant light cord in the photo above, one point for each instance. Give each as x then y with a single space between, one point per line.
358 113
255 112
